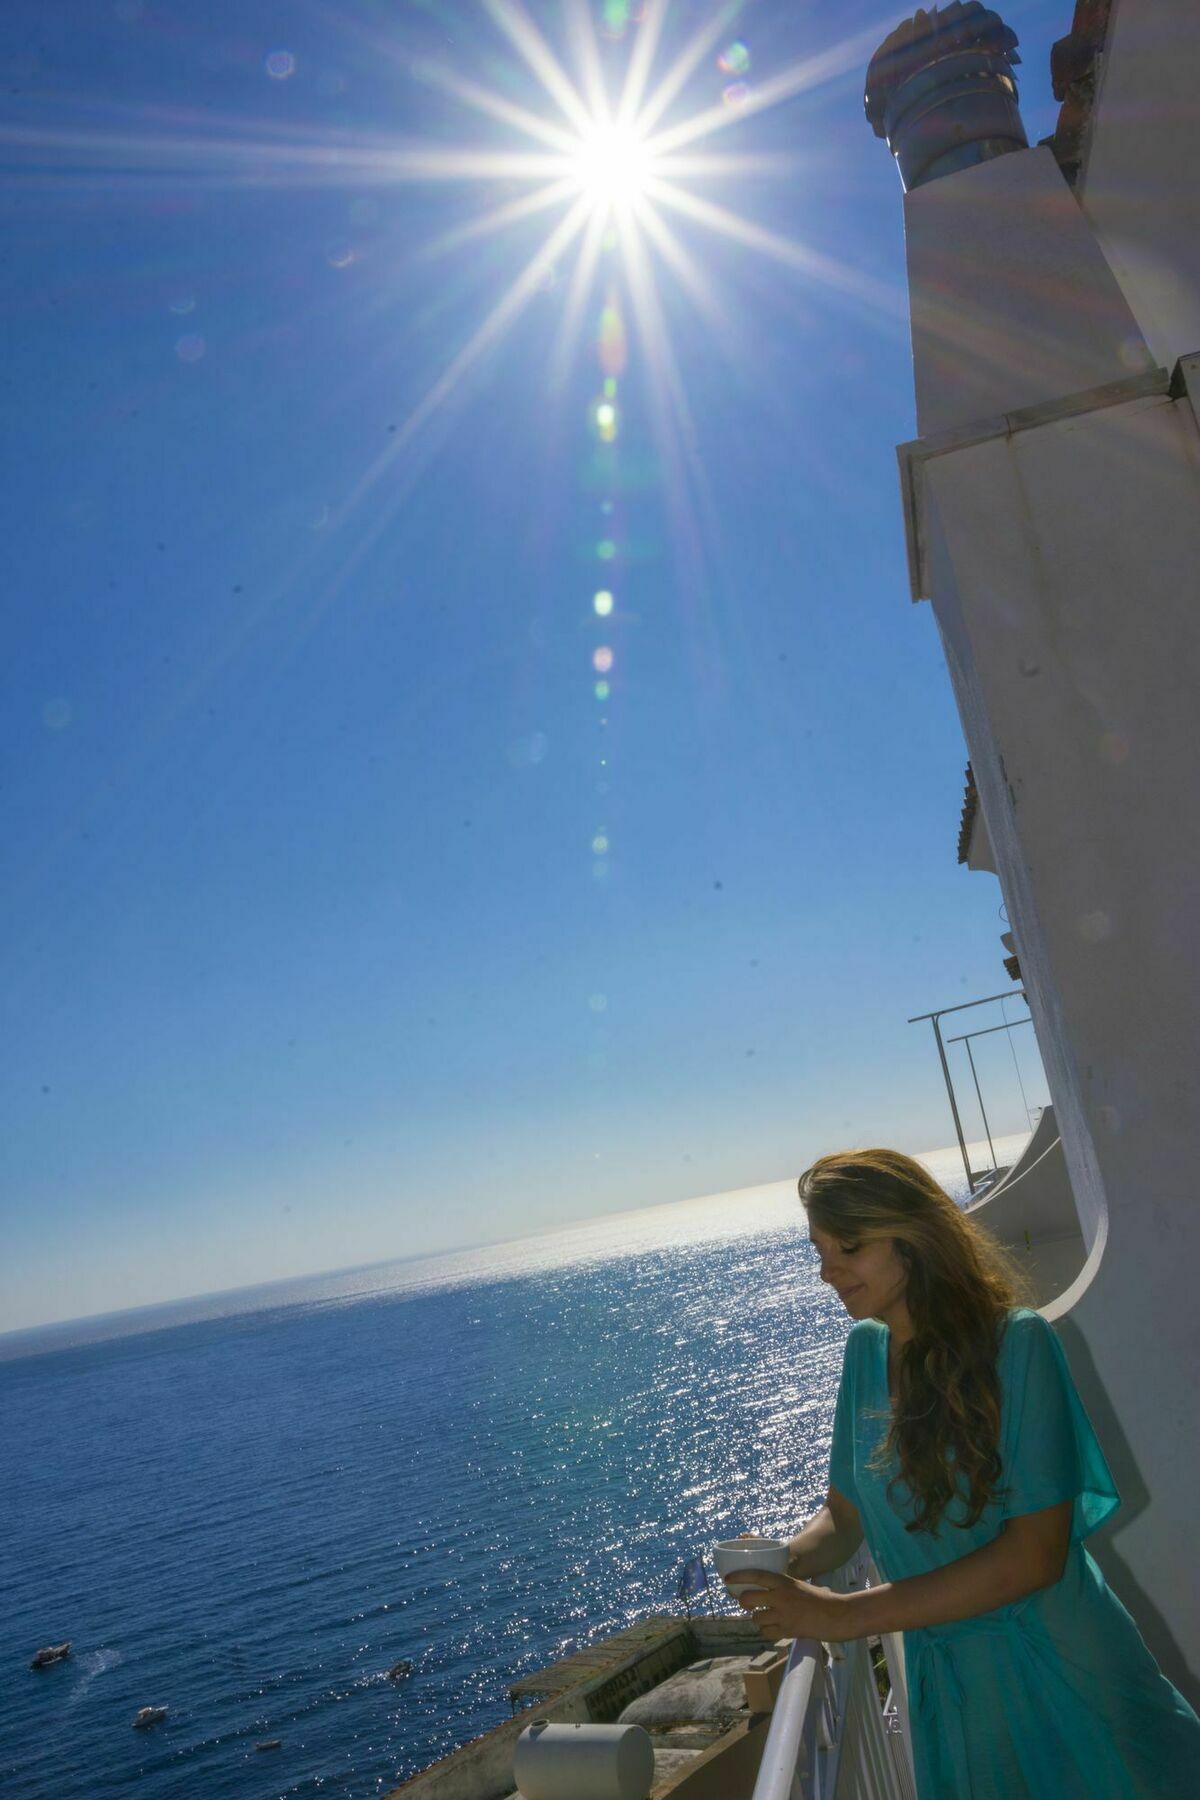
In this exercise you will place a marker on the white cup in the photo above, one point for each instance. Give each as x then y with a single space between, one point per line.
748 1553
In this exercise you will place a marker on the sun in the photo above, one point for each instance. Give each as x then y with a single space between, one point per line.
612 165
611 173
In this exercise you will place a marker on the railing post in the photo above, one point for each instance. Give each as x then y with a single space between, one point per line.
829 1738
962 1142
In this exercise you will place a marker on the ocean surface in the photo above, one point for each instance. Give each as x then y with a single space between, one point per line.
247 1507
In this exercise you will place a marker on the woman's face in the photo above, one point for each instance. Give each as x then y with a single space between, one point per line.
869 1276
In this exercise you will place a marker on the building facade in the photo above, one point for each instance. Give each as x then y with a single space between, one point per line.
1052 513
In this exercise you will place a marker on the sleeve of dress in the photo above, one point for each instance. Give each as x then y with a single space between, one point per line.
841 1451
1051 1453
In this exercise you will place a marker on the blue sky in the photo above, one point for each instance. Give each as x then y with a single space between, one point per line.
308 955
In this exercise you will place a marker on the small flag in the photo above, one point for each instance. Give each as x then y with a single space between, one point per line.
692 1578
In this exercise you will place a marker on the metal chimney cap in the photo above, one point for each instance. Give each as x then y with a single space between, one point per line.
941 90
926 38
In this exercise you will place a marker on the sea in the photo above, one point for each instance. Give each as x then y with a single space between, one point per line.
248 1507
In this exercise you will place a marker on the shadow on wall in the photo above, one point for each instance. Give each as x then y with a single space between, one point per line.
1135 1497
1033 1214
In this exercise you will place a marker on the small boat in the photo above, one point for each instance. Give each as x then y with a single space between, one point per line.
400 1669
149 1715
269 1744
50 1653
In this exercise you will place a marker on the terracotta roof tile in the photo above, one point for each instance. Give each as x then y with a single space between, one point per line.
967 823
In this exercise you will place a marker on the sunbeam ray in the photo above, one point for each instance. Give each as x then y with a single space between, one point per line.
645 45
824 269
683 265
265 164
498 219
483 100
676 439
497 321
528 41
582 38
582 277
686 62
726 165
810 72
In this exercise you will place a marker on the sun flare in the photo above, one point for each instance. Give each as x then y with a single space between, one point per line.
612 165
601 145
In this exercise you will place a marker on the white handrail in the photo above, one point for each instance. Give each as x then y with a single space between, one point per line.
792 1717
831 1737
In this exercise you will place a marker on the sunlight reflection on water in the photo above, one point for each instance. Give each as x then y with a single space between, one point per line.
477 1461
743 1212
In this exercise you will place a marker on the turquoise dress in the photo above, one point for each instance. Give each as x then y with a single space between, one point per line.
1055 1697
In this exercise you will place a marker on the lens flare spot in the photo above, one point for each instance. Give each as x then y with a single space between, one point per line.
736 94
604 415
601 691
614 18
602 659
528 752
611 347
606 549
280 64
181 304
190 347
599 844
598 1002
341 257
602 603
734 59
1134 354
600 870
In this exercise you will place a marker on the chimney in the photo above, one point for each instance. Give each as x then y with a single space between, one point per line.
941 90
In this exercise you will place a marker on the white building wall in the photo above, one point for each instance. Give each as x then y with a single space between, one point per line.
1139 186
1061 549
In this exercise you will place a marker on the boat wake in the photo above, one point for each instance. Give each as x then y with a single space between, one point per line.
96 1662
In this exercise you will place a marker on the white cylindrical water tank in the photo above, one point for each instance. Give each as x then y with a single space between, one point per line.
584 1762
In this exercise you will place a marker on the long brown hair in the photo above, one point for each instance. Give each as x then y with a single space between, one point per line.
945 1424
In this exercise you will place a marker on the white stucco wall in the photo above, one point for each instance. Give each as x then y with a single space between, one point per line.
995 326
1138 186
1065 567
1062 555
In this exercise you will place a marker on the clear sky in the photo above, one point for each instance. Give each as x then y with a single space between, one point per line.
345 917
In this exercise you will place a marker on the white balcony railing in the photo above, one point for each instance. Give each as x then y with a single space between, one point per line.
832 1736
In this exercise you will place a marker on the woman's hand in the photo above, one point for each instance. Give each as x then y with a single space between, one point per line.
783 1608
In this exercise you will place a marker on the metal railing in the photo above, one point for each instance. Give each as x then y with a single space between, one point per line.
966 1038
832 1736
974 1176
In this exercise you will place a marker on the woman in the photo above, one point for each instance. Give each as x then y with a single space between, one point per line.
962 1454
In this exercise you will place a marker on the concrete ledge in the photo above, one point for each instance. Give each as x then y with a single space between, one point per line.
912 456
482 1769
726 1772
